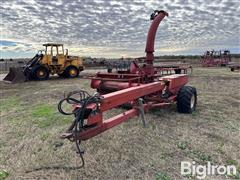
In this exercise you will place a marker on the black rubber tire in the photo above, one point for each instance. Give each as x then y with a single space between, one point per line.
184 98
36 70
177 71
68 73
232 69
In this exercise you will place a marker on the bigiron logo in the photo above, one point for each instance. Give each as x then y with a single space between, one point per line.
201 171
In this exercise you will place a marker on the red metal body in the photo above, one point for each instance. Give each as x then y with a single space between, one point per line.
216 58
151 92
119 88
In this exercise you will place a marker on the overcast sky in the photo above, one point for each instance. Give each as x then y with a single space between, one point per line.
104 28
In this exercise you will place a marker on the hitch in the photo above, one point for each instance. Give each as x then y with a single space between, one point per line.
79 100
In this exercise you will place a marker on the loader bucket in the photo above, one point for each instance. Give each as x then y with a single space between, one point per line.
15 75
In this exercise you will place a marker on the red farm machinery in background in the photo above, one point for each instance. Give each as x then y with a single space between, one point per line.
216 58
143 87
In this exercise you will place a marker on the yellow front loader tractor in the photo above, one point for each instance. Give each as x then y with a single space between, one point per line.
52 61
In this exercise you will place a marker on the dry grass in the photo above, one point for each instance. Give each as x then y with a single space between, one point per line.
30 125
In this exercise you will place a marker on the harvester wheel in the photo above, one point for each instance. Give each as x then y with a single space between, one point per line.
187 99
40 72
71 72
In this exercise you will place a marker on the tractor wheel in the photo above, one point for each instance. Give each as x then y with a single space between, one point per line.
232 69
71 72
187 99
40 72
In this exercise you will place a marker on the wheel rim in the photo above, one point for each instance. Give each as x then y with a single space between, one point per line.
73 72
41 73
192 101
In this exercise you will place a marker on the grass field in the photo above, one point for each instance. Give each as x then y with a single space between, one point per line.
30 126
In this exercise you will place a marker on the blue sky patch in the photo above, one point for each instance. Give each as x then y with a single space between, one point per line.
7 43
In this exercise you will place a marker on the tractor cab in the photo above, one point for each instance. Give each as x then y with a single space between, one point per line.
53 49
54 54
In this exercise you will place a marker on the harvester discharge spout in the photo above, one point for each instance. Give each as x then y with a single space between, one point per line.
156 17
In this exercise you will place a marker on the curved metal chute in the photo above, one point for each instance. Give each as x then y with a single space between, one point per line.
157 17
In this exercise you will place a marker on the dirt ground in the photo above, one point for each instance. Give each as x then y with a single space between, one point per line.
30 127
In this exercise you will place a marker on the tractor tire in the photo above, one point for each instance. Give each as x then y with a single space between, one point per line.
187 99
232 69
71 72
39 73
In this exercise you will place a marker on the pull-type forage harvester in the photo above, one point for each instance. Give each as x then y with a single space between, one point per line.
144 88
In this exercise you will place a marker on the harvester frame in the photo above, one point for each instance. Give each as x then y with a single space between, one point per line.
144 88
